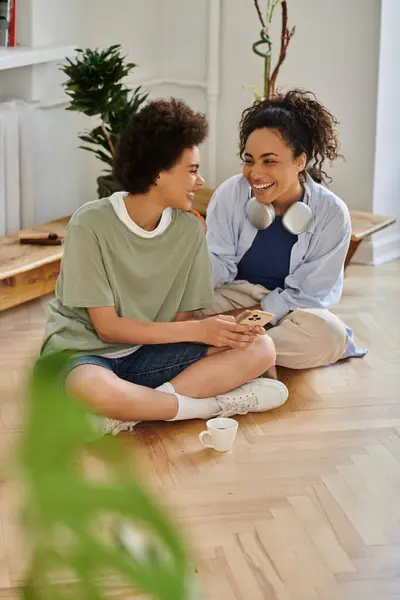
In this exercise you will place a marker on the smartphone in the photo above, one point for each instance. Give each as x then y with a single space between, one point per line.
256 317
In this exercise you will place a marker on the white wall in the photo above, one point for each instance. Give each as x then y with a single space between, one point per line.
61 185
59 173
386 191
155 35
135 24
56 21
334 53
184 38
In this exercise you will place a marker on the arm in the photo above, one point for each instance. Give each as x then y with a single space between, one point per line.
219 331
85 284
312 283
220 238
113 329
215 331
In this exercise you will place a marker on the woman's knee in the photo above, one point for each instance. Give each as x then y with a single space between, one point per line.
325 330
261 356
336 337
93 385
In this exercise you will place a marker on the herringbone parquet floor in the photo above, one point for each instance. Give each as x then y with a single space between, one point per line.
307 507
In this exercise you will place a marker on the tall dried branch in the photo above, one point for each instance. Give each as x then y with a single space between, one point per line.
258 9
286 36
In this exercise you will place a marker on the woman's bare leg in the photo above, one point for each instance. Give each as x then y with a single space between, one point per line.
222 372
106 394
217 373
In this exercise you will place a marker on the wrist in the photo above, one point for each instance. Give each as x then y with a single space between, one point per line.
190 331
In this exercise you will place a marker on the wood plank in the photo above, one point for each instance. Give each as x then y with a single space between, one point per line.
294 511
26 286
16 258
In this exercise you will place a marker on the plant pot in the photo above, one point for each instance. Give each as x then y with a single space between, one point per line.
107 185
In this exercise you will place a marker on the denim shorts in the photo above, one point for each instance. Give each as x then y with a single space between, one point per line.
151 365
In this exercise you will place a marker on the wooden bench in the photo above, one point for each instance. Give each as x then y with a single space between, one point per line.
363 225
28 272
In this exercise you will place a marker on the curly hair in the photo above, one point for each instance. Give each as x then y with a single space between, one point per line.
154 140
305 125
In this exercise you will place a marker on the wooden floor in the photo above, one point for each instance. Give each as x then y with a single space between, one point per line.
307 506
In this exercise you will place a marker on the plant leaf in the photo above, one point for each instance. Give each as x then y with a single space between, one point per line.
95 87
64 510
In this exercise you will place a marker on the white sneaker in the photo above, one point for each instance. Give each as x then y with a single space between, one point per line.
257 395
106 426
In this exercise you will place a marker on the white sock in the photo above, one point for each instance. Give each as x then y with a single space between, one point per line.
191 408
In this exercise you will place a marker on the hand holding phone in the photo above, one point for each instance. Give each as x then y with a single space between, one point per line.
255 317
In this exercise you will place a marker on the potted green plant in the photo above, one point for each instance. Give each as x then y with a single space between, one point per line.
94 86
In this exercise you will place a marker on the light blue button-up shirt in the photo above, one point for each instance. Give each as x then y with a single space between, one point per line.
315 277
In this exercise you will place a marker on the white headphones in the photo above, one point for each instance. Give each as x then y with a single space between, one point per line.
295 220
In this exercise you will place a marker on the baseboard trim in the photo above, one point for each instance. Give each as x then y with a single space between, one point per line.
378 251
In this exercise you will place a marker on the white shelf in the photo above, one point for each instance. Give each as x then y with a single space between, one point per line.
23 56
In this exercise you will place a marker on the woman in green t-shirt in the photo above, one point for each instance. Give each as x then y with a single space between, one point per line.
135 267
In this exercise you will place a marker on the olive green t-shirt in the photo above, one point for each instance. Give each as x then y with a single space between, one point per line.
107 264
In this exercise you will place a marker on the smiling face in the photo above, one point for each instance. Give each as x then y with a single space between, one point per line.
177 186
270 167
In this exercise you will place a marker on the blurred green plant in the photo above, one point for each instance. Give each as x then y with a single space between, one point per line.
73 523
95 88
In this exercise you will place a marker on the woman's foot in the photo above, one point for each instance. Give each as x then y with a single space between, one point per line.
258 395
106 426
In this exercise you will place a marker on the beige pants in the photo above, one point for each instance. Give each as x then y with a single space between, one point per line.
304 339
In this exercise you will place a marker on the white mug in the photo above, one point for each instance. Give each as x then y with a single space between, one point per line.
220 434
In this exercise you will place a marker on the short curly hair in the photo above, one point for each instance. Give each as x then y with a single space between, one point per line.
154 140
305 124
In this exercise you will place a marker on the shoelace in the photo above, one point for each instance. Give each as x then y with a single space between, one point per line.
122 426
239 405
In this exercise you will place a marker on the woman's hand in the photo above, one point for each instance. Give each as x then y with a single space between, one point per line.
223 331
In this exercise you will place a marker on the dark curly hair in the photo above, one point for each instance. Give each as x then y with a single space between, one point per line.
154 140
305 124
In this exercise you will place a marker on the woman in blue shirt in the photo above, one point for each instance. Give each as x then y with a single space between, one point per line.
277 237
